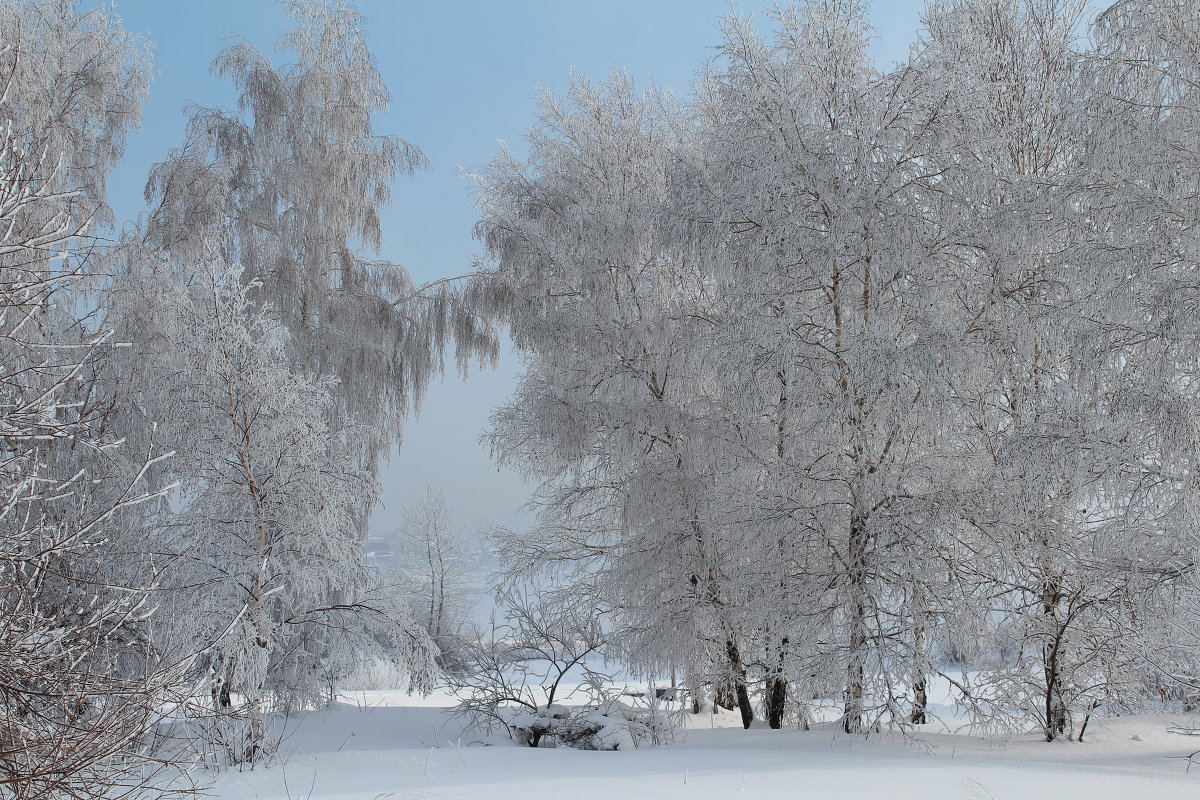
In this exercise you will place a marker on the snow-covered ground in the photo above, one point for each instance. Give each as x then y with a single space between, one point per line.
389 746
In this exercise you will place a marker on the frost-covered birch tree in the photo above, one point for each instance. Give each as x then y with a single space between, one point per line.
1053 300
1147 74
290 188
270 582
611 414
82 685
822 205
281 360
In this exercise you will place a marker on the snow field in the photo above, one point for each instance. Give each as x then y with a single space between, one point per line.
378 745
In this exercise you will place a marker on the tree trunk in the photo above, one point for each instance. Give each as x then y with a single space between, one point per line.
775 691
255 693
221 690
723 698
1056 713
1055 710
774 700
920 702
744 704
852 720
738 675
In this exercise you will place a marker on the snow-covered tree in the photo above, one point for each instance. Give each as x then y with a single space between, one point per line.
1058 542
437 562
280 361
82 685
612 413
271 581
290 188
1146 72
823 223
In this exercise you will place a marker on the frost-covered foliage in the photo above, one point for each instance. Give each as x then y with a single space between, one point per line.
839 377
289 188
613 407
82 686
1147 59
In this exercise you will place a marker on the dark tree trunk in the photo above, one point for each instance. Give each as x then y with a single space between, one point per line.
744 705
775 699
1086 718
738 675
221 689
723 698
775 690
1056 710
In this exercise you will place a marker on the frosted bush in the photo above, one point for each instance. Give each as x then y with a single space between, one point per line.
611 725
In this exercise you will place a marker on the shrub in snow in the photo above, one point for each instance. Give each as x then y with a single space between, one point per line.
611 725
516 677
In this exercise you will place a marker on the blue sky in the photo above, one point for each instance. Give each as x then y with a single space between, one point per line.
463 76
